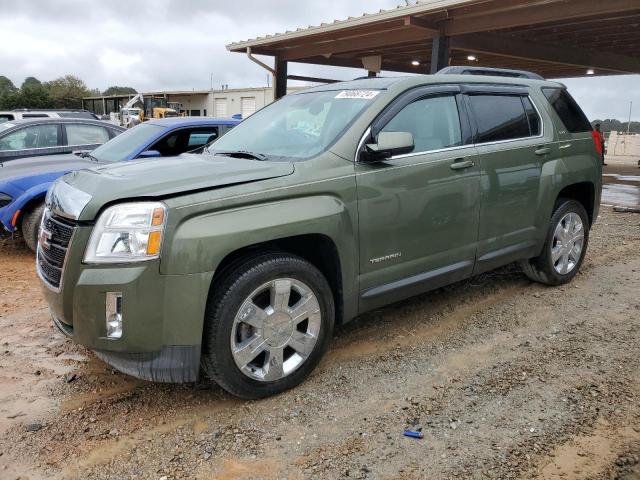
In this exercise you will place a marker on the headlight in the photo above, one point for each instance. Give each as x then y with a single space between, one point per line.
5 199
129 232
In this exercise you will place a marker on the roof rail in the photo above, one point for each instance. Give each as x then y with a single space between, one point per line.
49 110
494 72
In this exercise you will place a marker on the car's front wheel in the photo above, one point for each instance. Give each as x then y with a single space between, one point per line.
565 246
31 224
268 323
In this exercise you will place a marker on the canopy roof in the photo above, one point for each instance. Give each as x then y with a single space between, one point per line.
555 38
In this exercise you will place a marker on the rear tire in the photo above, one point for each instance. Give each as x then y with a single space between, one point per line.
31 224
565 245
260 340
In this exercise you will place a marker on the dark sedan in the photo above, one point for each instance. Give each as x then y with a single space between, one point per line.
47 136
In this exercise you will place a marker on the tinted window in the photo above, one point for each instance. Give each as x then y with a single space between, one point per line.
185 140
499 117
35 115
6 117
37 136
434 123
568 110
86 134
532 117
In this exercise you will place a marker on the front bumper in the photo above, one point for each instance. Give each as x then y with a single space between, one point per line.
163 315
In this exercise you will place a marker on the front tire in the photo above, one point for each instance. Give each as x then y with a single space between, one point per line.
268 323
565 246
30 224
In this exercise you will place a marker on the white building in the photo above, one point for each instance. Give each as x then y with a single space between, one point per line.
198 103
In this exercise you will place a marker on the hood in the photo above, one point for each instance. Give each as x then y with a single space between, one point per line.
168 176
23 168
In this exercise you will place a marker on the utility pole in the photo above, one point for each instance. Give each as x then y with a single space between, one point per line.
211 81
629 122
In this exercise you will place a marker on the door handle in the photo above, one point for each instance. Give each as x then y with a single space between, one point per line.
461 164
543 151
566 145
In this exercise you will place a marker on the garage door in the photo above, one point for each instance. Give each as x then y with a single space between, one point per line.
220 107
247 106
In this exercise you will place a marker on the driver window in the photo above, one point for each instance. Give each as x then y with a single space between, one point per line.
433 121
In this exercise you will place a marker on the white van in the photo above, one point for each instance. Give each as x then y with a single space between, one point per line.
25 113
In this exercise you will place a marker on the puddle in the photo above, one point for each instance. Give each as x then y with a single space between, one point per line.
620 194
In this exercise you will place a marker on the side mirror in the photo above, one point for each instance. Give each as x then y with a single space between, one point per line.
389 144
150 154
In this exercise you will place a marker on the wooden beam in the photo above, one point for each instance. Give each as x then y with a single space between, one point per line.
517 48
360 43
421 23
536 14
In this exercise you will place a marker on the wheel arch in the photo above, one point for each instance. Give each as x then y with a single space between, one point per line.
316 248
582 192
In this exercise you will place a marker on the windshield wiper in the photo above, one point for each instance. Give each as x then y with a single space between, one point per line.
89 156
243 154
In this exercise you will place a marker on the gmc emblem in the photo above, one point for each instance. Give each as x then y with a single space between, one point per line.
44 238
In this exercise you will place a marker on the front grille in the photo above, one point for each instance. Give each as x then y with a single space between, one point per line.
53 243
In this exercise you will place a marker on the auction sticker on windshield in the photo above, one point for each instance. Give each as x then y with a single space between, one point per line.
359 94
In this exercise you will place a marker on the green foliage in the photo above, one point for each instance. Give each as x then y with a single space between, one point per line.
31 82
33 94
611 124
115 90
6 85
67 92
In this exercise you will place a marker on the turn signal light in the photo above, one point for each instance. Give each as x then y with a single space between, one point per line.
153 246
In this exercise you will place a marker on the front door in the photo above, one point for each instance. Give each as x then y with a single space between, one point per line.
418 212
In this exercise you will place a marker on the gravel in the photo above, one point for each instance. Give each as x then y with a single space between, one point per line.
505 379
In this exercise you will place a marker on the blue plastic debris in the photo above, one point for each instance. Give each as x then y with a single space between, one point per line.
413 434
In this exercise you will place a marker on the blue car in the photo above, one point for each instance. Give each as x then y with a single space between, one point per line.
24 182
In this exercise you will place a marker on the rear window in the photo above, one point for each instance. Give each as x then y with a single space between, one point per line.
499 117
568 110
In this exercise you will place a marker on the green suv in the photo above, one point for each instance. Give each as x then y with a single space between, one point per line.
237 264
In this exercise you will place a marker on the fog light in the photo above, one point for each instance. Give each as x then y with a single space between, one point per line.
114 314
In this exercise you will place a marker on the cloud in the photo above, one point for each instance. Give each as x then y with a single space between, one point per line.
177 44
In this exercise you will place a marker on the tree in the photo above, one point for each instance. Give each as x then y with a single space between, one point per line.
31 82
33 94
120 91
8 93
612 124
6 85
67 92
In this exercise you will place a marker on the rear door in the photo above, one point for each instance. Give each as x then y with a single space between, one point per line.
80 136
512 145
418 212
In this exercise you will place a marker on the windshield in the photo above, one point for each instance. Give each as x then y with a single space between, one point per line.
296 126
120 147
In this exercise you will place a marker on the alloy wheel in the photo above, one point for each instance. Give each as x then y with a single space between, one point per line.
275 329
568 241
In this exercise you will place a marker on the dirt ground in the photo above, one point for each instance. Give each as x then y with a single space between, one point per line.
505 378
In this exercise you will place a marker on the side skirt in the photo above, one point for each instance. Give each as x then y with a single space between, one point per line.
414 285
